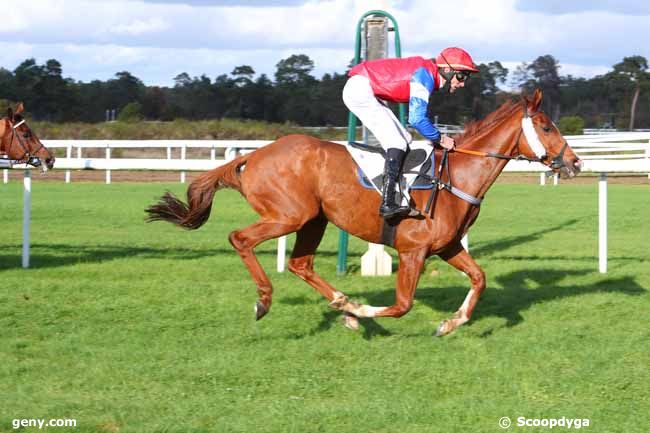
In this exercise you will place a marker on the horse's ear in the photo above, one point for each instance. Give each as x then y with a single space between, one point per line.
20 108
536 102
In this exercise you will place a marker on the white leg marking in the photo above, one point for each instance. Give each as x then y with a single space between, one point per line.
364 310
462 311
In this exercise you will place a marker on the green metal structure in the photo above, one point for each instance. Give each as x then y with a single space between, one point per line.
341 265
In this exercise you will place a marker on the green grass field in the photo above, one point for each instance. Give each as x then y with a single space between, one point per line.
133 327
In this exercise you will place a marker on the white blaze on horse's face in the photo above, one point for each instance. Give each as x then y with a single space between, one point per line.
532 138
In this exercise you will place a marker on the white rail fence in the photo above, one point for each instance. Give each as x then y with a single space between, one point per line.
603 154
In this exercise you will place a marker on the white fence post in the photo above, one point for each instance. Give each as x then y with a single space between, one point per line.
183 153
647 154
5 176
108 158
556 178
602 223
27 209
68 154
542 178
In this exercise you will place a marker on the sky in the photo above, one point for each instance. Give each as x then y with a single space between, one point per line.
156 40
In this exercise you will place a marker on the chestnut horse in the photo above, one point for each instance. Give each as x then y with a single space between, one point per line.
299 183
19 144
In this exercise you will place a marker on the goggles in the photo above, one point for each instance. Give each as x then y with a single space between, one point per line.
462 76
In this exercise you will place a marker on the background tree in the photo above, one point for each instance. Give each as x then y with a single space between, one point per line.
295 90
633 70
617 98
544 72
295 69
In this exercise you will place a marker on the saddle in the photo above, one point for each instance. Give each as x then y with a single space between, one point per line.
416 172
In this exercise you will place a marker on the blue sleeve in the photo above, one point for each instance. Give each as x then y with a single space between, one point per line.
421 87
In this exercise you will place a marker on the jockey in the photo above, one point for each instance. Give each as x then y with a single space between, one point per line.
411 80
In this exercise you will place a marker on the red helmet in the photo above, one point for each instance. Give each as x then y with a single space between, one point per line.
457 59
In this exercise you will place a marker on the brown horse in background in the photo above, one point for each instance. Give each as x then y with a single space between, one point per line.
299 183
19 144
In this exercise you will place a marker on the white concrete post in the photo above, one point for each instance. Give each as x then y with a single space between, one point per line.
213 153
556 178
169 152
542 178
5 176
27 210
376 261
602 223
108 158
282 252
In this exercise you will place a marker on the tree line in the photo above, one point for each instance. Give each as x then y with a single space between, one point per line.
619 98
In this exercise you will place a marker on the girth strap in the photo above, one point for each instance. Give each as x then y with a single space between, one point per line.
439 184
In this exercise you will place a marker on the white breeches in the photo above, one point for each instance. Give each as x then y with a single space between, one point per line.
378 118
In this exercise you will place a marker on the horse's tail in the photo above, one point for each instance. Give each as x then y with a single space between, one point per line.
200 194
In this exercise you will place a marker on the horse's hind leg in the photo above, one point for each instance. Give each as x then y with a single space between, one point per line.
461 260
301 263
244 241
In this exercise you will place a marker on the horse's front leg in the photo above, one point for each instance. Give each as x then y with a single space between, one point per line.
408 274
461 260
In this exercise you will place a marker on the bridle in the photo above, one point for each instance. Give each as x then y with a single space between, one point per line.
556 163
532 138
28 157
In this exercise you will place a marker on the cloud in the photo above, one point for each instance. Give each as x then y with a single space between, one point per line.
158 66
156 39
554 7
237 3
141 27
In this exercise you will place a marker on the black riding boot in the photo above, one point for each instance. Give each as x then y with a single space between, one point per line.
391 201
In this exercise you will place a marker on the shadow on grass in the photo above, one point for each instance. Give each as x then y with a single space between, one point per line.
521 290
515 241
55 255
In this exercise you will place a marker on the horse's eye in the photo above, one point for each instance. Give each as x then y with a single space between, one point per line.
546 128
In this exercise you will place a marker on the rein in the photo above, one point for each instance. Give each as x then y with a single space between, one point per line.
497 155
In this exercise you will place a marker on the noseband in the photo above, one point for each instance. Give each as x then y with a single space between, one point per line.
558 161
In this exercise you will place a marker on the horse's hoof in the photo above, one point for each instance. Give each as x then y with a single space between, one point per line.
339 302
442 331
351 322
260 310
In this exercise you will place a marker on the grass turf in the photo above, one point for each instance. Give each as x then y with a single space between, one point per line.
134 327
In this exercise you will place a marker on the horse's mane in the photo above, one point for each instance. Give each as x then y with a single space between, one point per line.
474 127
